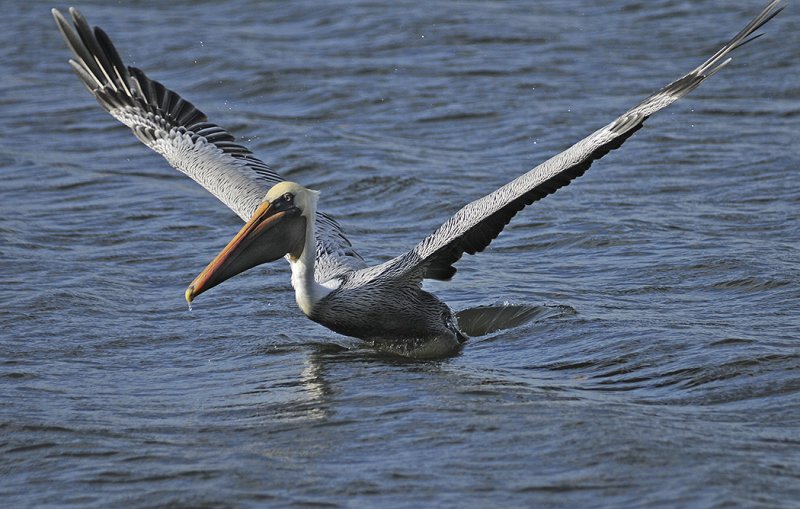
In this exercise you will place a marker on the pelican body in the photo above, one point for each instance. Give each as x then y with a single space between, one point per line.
333 285
368 303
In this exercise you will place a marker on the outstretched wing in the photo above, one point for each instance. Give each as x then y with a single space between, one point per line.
181 133
473 227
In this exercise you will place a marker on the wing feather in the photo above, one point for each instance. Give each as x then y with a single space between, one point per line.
474 227
183 135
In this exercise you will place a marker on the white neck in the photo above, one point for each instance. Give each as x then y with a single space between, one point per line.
307 291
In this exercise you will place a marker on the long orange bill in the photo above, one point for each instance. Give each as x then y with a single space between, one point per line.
246 250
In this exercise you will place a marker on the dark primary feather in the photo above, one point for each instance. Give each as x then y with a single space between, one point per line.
117 86
473 227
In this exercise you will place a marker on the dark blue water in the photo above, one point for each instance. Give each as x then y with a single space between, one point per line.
658 364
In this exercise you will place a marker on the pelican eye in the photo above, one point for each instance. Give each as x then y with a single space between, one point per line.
288 197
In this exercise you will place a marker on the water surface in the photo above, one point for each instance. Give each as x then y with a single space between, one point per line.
659 365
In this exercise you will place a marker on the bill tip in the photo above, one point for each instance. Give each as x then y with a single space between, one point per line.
189 296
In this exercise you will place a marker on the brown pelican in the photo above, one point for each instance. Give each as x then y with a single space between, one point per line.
333 285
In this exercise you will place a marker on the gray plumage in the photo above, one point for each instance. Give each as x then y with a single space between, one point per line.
385 302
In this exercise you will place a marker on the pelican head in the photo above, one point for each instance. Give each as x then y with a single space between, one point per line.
277 229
